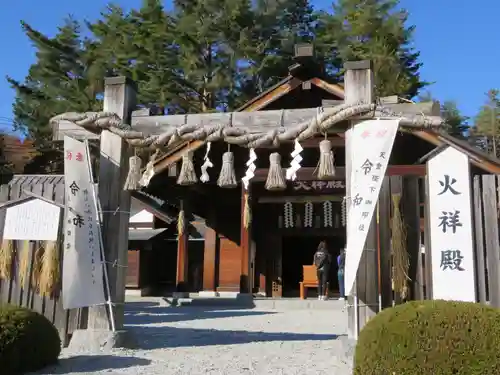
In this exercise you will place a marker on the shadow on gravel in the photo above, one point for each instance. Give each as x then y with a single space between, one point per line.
170 337
172 314
92 363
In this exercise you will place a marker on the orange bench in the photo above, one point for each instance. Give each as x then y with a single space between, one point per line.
309 280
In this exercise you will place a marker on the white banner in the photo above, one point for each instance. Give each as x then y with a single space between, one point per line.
450 221
82 283
371 144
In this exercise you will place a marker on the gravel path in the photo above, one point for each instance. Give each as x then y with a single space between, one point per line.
193 341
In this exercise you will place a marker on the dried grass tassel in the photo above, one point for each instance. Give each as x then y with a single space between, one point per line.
6 259
247 214
276 176
227 177
326 167
401 262
24 262
37 266
180 223
149 172
134 174
187 175
50 272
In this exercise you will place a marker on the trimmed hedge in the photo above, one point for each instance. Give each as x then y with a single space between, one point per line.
430 337
28 341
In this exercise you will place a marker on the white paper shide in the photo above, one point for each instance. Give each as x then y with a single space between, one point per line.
82 284
451 226
371 143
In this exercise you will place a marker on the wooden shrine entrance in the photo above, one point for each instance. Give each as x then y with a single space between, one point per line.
288 227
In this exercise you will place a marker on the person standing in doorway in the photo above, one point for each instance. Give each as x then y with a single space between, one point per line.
322 260
340 273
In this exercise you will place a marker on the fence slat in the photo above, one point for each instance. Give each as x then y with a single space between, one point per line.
479 241
491 238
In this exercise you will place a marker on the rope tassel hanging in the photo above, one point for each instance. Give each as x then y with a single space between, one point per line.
134 174
326 167
401 262
6 259
50 275
247 215
227 177
180 223
150 170
187 175
276 176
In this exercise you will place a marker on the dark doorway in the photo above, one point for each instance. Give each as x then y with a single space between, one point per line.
298 251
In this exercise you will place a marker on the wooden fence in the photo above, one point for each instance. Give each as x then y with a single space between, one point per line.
66 321
486 212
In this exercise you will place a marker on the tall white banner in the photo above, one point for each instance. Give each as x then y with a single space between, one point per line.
450 221
371 144
82 280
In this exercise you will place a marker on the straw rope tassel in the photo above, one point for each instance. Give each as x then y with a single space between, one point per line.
6 259
401 263
326 167
24 263
227 177
134 174
247 215
50 275
276 176
180 223
187 175
37 265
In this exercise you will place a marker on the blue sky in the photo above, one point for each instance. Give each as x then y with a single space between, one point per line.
459 43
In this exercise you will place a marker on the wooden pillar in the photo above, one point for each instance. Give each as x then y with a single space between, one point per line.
358 83
120 98
384 206
245 243
210 261
181 278
410 206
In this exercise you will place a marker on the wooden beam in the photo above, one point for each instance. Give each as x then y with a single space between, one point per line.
245 242
329 87
120 98
273 95
359 87
259 121
307 173
181 277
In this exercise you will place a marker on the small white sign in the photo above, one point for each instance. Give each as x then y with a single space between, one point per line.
35 220
451 240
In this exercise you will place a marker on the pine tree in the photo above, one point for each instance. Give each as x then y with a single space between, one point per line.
455 123
487 123
374 30
59 81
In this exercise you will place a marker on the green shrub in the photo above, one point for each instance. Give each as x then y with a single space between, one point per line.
28 341
431 338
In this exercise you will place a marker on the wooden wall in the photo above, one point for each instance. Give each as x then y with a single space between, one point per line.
66 321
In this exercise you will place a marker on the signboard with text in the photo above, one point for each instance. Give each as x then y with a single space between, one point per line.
371 142
451 240
83 283
36 220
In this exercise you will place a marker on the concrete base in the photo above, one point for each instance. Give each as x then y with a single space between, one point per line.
84 340
208 294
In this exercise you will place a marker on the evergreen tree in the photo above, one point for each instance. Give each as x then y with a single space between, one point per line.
487 123
454 123
374 30
59 81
